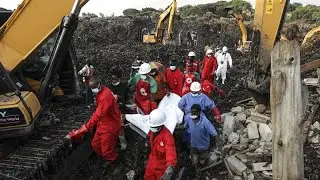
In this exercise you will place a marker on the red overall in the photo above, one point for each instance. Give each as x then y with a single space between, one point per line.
188 79
174 80
142 97
107 119
87 78
208 88
163 154
208 68
195 66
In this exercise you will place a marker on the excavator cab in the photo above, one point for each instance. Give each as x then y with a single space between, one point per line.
158 35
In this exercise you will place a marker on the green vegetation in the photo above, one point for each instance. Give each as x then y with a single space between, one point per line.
310 13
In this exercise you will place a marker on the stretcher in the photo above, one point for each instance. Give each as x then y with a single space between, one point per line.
169 104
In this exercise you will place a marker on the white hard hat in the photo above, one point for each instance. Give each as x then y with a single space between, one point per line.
191 54
195 86
156 118
144 68
209 51
224 49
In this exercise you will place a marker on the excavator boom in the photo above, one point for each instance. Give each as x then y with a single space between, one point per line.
28 27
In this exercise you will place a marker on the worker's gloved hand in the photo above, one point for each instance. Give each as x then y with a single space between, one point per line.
217 114
77 134
220 92
218 118
168 173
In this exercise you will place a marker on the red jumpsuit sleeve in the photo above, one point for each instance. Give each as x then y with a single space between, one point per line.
104 103
171 155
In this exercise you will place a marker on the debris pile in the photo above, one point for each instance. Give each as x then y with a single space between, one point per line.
248 141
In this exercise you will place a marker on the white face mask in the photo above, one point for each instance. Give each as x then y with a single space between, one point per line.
195 94
154 129
194 116
138 61
95 90
153 73
143 77
116 84
173 68
209 55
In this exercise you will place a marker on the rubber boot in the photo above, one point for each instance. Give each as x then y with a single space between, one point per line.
123 142
223 81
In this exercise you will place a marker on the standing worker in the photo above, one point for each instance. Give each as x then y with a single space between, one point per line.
120 92
200 129
87 72
223 61
107 120
209 66
189 77
145 87
161 81
163 156
191 62
135 66
218 52
174 78
196 97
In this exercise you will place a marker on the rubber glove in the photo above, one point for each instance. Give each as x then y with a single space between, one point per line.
168 173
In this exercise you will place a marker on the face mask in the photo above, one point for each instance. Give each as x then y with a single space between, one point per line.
138 61
153 73
195 94
209 55
194 116
173 68
116 83
95 90
154 129
143 77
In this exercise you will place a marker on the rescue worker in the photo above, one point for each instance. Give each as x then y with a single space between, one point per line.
120 92
106 119
191 62
223 61
163 157
161 81
208 88
200 129
189 77
135 66
174 78
218 52
209 66
145 87
196 97
87 72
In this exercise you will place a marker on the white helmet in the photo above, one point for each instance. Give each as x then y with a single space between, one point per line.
195 86
191 54
156 118
209 51
224 49
144 68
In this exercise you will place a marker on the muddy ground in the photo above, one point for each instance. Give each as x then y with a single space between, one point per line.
114 42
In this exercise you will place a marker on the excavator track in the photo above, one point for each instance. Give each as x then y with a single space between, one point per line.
46 154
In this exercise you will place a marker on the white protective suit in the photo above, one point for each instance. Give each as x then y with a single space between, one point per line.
169 105
223 60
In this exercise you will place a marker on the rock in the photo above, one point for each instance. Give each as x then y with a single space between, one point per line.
255 142
241 117
260 108
244 139
257 117
265 132
224 115
237 109
236 165
267 173
253 131
315 140
311 133
266 145
239 147
261 150
226 148
131 175
245 130
260 167
213 157
233 138
251 176
242 157
228 125
214 179
316 125
237 178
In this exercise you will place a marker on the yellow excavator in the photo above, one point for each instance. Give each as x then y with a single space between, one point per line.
310 34
157 36
31 75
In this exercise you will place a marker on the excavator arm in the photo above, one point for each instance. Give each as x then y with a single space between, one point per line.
311 33
28 27
268 22
169 13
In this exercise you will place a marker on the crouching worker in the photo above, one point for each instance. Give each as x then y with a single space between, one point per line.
163 157
200 130
107 120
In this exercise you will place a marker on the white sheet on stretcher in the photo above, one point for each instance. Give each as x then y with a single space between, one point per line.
170 107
